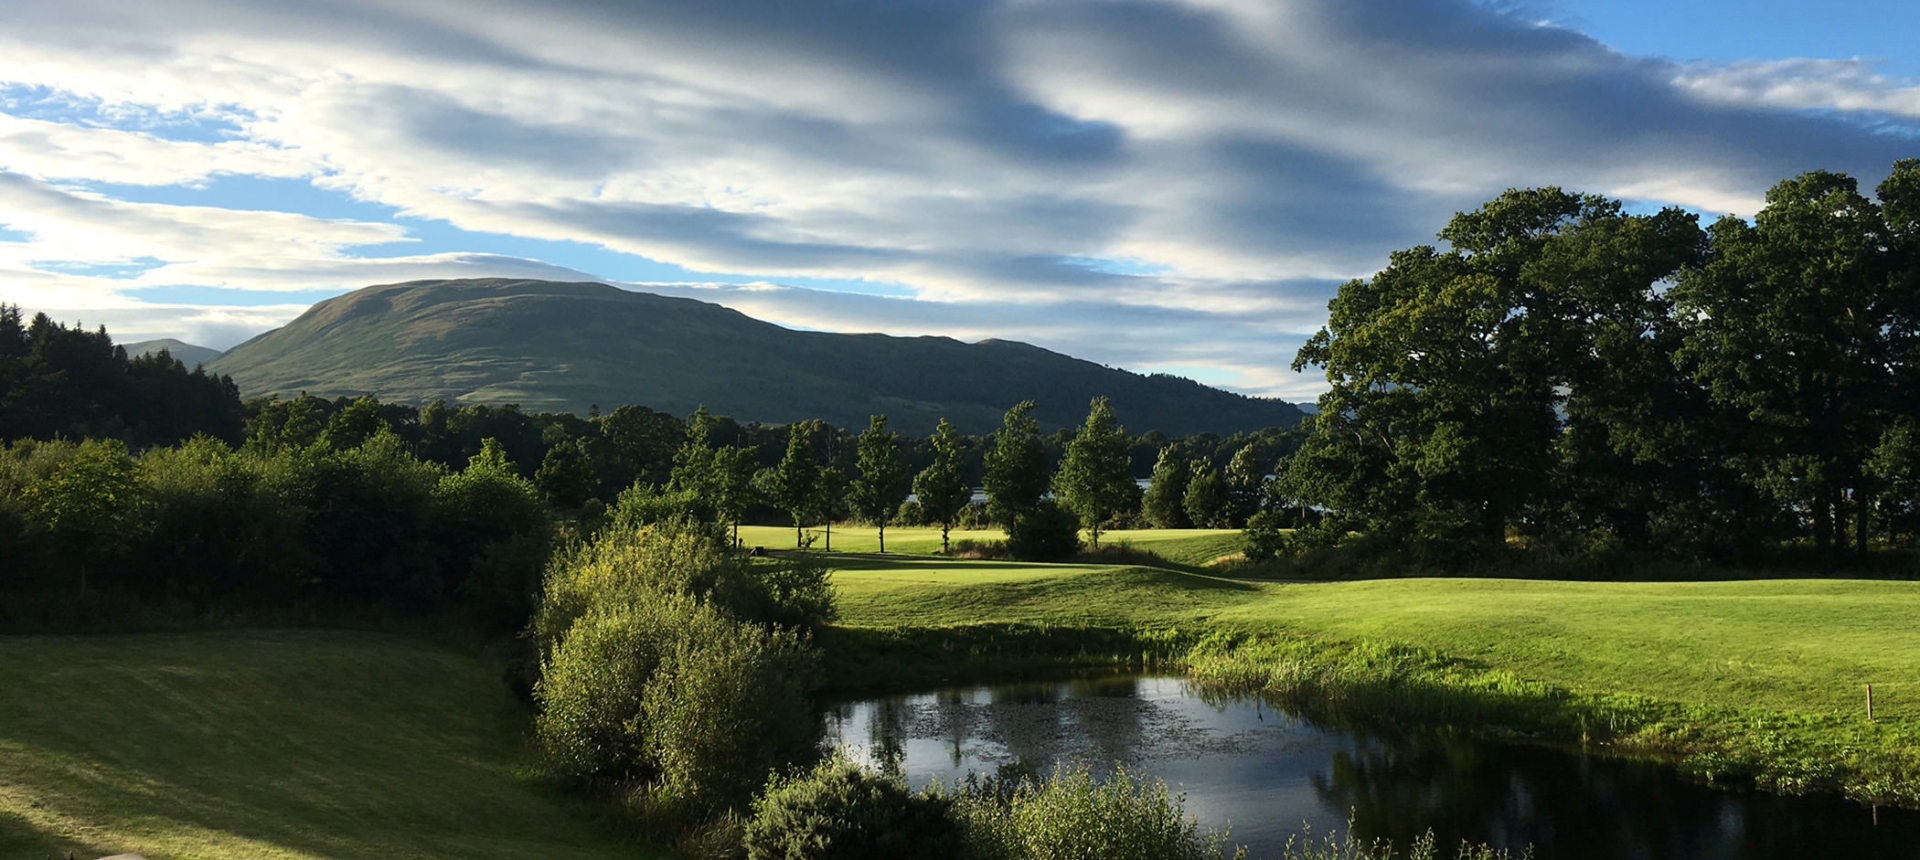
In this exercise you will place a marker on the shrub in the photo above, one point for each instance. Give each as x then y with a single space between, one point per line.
1070 815
727 706
591 687
974 517
910 514
841 811
1049 532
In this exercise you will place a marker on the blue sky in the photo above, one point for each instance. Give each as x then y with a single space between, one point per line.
1163 185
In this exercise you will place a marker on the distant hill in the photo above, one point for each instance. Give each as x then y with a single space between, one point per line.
183 352
562 346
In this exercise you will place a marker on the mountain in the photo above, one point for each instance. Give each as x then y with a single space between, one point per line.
562 346
185 353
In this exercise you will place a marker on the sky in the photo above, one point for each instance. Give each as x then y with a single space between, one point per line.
1162 185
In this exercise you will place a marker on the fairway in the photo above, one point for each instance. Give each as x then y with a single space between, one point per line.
1192 547
1798 646
270 744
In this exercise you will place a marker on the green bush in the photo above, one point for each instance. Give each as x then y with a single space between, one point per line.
841 811
910 514
1070 816
1049 532
656 676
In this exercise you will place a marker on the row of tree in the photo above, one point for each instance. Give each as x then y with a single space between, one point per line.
61 382
1572 375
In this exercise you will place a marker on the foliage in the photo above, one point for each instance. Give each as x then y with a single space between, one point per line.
1095 480
61 382
566 475
794 485
1047 532
1206 501
841 811
941 488
1165 501
1071 815
882 484
1016 467
656 674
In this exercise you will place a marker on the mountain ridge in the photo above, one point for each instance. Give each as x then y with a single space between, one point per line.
567 346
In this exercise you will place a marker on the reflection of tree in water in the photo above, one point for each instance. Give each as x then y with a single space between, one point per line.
1571 806
887 734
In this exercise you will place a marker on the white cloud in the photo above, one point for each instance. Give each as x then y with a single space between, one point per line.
1248 153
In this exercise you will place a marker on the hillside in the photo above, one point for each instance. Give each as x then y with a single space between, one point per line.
183 352
565 346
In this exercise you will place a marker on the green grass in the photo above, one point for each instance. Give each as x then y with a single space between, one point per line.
1767 672
270 744
1189 547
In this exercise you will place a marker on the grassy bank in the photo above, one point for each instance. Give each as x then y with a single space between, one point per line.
1761 680
270 744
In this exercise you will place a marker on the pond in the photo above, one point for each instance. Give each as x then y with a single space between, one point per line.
1263 773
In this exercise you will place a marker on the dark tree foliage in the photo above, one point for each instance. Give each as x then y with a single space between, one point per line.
61 382
1569 376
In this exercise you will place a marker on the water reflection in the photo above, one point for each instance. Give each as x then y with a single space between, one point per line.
1263 772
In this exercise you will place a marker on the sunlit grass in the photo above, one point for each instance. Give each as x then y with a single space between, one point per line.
270 744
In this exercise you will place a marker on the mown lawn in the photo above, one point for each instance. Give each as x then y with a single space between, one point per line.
1800 646
1193 547
271 744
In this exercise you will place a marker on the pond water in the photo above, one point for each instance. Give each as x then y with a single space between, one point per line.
1244 765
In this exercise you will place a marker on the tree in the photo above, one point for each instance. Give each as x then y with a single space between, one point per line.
942 487
1016 467
1095 480
1206 498
883 482
1165 501
91 504
731 483
793 485
566 475
1496 385
353 425
829 498
1246 482
1791 322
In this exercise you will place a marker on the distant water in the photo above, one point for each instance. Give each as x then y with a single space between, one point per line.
1264 774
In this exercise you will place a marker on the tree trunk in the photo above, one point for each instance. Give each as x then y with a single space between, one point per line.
796 534
829 534
944 527
1861 506
883 538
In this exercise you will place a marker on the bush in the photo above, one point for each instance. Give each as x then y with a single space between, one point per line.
841 811
973 517
1070 816
1047 533
910 514
658 674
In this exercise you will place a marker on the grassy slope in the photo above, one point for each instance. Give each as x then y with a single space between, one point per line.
1792 645
1745 665
269 744
551 346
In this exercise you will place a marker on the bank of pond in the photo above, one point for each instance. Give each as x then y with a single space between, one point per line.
1248 766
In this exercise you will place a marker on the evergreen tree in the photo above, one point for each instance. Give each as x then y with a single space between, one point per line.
1095 480
942 487
883 482
732 484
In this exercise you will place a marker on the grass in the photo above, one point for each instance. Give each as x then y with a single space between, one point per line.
1185 547
271 744
1763 678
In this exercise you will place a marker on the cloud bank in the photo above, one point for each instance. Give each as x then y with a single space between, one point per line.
1159 184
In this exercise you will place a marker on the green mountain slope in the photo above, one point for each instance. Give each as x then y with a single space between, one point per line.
561 347
183 352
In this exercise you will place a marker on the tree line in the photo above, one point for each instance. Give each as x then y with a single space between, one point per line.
1570 376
